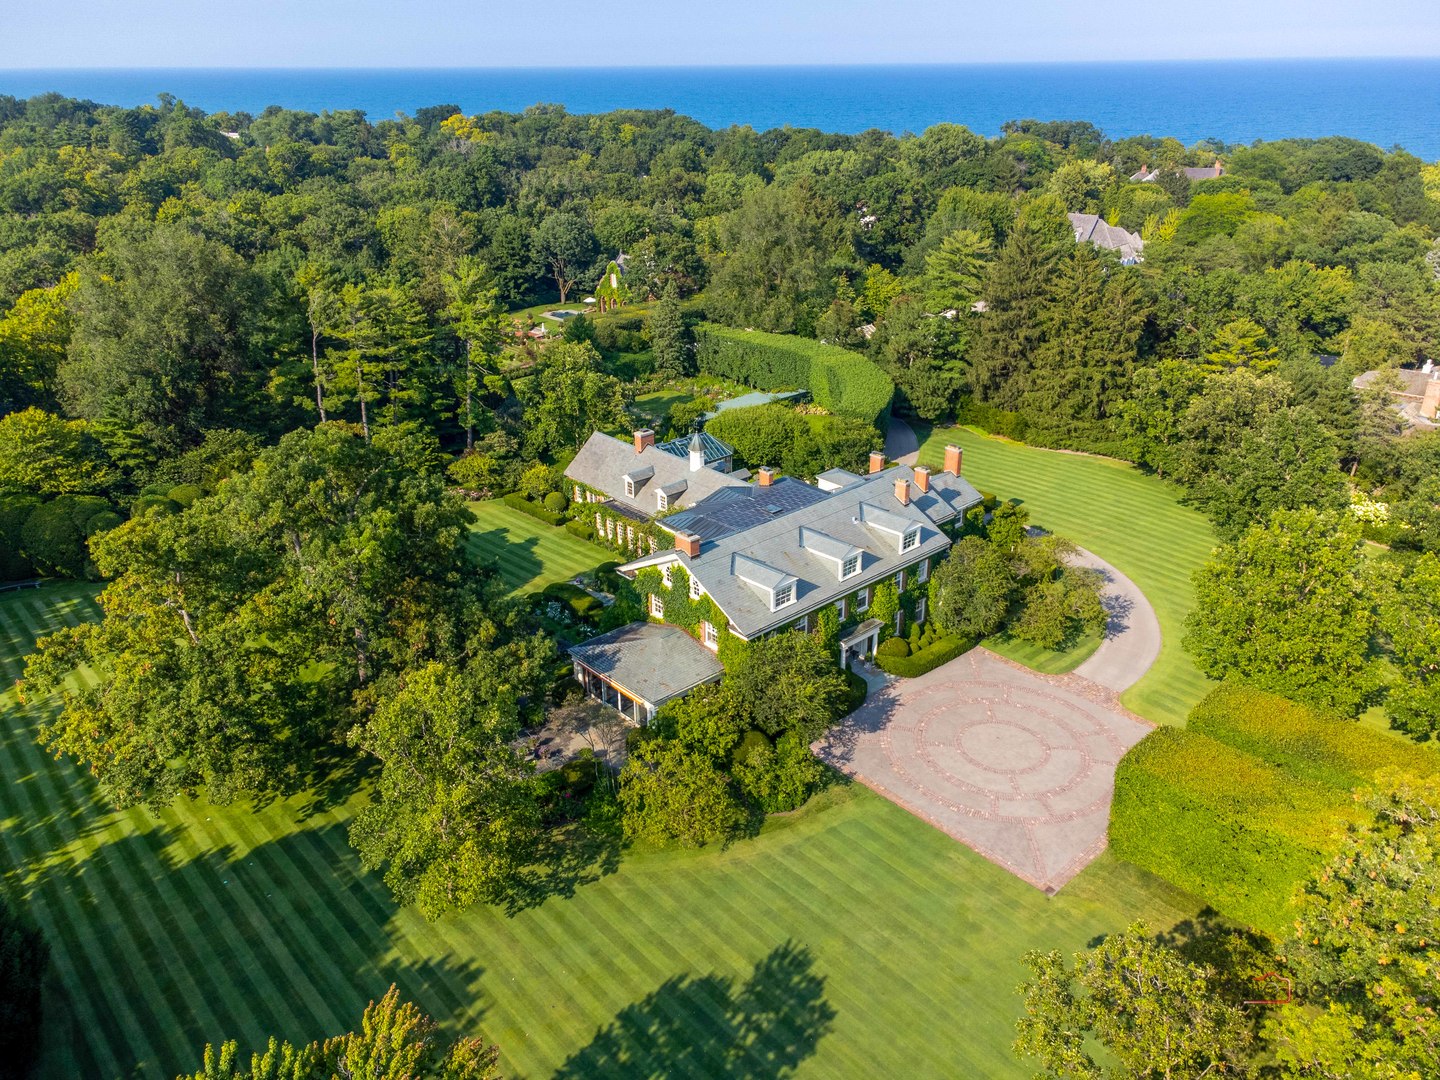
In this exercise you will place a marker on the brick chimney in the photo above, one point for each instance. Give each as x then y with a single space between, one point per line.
687 543
1219 167
954 458
922 478
902 491
766 476
877 461
643 438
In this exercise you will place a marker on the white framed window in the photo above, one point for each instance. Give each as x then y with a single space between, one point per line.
900 580
910 540
657 606
629 488
665 573
924 570
804 624
785 594
695 590
850 567
712 636
862 600
662 501
840 608
920 609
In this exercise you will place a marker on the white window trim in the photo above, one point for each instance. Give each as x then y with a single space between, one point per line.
900 580
710 635
665 573
696 590
629 488
657 606
924 571
920 612
662 501
910 539
840 607
775 603
862 601
852 573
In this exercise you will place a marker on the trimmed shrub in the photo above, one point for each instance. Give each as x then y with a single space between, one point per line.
154 504
943 651
14 511
184 494
583 529
103 522
1305 741
858 688
839 380
556 502
577 599
751 743
894 646
1223 824
53 536
516 501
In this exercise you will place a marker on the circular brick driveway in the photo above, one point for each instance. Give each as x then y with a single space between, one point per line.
1019 766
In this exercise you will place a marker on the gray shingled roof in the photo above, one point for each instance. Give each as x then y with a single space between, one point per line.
734 509
776 545
1093 229
715 450
839 477
604 461
652 661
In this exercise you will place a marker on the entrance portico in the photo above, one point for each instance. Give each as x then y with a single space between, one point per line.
862 641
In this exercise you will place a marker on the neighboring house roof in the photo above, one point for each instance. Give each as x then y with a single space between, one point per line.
745 401
833 479
1416 393
1093 229
809 543
604 462
715 450
1191 173
735 509
652 661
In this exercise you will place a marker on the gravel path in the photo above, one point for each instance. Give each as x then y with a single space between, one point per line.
1132 636
901 443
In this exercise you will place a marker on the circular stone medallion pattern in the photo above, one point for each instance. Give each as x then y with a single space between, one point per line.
1002 747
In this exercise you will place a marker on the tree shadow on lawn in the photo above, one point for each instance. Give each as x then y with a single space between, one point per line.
522 564
569 858
279 926
690 1026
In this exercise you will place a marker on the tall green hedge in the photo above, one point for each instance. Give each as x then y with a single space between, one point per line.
1305 742
1223 824
838 379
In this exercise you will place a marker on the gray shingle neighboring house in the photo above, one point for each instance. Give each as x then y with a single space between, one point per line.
1093 229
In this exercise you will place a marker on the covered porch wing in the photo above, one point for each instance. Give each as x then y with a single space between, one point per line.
861 641
639 667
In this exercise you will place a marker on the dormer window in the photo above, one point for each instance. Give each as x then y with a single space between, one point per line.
783 595
910 540
629 488
662 501
850 567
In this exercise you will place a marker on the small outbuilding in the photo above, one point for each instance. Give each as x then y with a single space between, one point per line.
639 667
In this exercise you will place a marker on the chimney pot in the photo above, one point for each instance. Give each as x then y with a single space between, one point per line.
643 438
954 458
687 543
766 476
902 491
877 461
922 478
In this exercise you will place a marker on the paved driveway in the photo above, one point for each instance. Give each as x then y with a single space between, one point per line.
1018 766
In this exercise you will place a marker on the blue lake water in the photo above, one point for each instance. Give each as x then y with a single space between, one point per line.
1388 102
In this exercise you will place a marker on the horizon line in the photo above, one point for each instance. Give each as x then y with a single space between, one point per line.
727 67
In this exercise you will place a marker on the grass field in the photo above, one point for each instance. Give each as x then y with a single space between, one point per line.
530 553
1131 520
850 939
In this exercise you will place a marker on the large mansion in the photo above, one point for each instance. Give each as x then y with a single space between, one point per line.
754 557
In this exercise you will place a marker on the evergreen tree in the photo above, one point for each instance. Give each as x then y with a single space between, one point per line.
1012 327
669 337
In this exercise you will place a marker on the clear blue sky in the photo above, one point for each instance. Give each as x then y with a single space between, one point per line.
515 33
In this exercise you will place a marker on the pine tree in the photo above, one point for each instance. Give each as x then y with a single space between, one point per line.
669 337
1011 328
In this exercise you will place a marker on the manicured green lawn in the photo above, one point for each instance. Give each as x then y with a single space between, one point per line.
653 408
1131 520
1045 661
850 939
530 553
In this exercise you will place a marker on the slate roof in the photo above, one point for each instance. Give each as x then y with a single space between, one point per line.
604 461
715 450
839 477
735 509
652 661
777 547
1093 229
